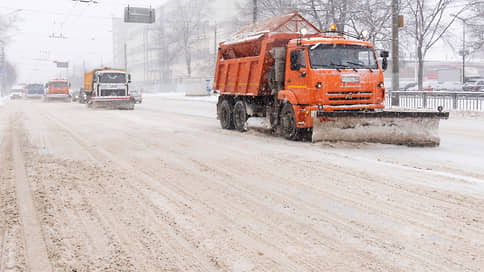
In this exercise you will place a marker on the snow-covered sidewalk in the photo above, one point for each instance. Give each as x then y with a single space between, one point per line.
182 96
3 100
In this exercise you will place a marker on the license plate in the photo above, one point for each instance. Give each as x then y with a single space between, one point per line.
350 79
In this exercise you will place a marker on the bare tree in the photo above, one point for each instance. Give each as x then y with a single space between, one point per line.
374 16
188 25
10 74
269 8
475 23
168 40
326 12
429 21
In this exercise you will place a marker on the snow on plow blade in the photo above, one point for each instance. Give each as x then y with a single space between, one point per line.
387 127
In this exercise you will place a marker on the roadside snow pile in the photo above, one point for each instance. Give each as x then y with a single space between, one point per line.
466 115
182 96
3 100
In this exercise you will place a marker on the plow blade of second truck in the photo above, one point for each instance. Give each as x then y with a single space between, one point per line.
388 127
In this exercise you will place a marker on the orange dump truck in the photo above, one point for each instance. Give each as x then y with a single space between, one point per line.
57 89
307 83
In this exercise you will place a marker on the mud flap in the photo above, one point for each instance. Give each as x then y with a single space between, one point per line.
400 128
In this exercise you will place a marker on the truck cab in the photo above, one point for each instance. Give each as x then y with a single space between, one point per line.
334 72
110 83
109 87
57 89
34 91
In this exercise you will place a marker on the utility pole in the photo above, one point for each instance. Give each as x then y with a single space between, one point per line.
463 49
3 69
463 52
395 49
125 57
254 11
215 51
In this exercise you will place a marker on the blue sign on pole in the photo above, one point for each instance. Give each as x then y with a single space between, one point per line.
208 88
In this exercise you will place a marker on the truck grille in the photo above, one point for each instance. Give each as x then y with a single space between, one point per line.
349 95
115 92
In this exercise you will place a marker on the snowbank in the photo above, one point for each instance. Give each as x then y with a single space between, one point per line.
3 100
183 96
466 115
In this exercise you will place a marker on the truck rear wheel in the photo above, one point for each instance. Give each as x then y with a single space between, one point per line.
240 115
226 115
288 123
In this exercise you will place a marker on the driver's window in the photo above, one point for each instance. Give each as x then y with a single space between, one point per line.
302 58
366 58
363 57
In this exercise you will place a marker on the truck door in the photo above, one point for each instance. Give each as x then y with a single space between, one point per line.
296 75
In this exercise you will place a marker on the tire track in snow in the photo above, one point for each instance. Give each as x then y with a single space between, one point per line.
36 252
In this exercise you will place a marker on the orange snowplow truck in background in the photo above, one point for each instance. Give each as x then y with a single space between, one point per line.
57 89
304 82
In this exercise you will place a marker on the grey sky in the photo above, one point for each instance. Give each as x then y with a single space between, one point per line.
88 31
86 26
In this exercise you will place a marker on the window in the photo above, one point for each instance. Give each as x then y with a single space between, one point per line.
342 56
302 58
298 60
112 78
58 85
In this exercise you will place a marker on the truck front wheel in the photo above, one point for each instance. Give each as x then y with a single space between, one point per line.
240 115
226 115
288 123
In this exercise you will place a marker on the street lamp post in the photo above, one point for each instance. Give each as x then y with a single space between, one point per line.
464 53
3 69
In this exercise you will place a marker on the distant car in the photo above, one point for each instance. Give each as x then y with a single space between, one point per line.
450 86
137 95
17 92
82 97
75 96
35 91
409 86
428 86
16 95
474 85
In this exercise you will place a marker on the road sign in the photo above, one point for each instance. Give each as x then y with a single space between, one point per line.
139 15
62 64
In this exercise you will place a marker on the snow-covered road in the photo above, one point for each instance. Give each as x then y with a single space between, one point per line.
163 188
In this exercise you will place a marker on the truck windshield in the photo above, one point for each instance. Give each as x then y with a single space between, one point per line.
342 56
58 84
112 78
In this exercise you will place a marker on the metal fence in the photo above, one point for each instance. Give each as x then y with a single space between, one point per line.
467 101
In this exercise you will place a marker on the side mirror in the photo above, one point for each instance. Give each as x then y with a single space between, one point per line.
384 54
129 78
295 61
69 84
384 64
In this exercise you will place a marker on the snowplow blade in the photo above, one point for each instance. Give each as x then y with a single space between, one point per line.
123 102
388 127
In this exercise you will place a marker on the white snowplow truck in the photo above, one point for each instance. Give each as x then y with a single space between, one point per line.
108 88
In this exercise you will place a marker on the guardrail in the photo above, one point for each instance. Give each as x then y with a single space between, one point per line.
469 101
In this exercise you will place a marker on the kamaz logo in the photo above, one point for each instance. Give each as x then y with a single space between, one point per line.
350 96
